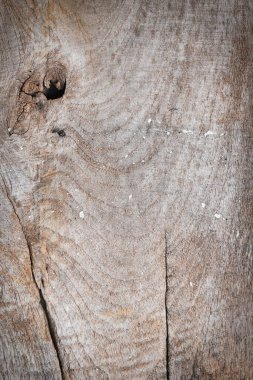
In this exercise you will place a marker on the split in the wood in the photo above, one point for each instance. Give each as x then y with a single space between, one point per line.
166 309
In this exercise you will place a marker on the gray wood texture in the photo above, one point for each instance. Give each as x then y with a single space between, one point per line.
126 203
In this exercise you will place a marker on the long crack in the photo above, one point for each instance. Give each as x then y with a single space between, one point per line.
166 310
43 303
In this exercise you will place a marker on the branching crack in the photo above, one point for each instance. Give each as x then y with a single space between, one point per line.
166 310
49 319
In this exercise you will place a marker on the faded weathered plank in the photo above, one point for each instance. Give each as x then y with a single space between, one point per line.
126 203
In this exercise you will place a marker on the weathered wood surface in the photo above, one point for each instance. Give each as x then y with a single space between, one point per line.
126 244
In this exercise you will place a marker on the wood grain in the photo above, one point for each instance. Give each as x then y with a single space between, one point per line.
126 204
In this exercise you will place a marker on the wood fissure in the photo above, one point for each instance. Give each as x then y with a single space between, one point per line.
42 300
52 329
166 309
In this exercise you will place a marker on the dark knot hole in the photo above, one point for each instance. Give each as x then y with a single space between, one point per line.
53 92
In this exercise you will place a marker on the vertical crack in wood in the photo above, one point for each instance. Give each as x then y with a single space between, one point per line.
51 328
43 302
166 311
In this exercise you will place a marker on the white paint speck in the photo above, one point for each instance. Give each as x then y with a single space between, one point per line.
237 233
217 216
191 284
149 121
209 133
167 133
186 131
143 137
21 148
142 161
126 155
81 214
203 205
133 163
130 196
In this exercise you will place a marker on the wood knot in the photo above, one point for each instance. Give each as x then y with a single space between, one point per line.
60 132
31 101
55 82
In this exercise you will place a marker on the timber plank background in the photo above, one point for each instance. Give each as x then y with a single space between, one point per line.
126 203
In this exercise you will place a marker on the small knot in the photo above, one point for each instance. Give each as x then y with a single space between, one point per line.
60 132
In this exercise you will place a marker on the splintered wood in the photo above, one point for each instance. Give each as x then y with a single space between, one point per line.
126 189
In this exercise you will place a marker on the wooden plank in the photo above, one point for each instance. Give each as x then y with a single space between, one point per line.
130 191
